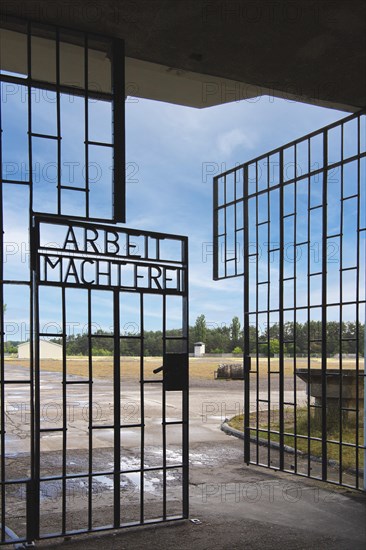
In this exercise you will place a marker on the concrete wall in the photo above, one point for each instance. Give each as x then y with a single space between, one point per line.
48 350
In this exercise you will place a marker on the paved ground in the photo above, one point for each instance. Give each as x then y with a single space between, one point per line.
247 507
237 506
210 403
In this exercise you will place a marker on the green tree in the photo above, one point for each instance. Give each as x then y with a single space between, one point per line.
235 332
274 347
200 329
218 337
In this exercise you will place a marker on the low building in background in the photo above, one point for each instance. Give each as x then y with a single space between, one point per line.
47 350
199 349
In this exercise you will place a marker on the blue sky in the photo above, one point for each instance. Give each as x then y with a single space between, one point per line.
177 150
172 154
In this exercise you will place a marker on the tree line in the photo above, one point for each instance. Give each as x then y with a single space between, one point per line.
299 338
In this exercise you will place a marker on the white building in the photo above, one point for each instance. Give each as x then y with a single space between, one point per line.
199 349
47 350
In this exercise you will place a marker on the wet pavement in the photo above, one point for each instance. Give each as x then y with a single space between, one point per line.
236 505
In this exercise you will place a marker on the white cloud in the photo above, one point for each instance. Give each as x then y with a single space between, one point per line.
232 139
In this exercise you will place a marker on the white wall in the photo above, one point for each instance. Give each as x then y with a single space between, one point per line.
48 350
199 351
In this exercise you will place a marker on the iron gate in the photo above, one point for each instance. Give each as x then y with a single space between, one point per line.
293 223
86 444
108 440
127 465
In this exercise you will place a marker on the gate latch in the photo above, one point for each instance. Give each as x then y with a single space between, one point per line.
247 363
175 371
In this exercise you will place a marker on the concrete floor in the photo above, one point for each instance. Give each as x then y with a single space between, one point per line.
236 505
210 402
247 507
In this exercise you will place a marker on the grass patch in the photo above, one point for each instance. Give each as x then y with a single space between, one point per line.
202 368
334 436
199 369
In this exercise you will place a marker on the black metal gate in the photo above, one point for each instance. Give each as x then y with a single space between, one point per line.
121 454
99 440
293 223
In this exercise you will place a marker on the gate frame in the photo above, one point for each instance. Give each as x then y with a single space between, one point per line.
33 498
117 98
223 259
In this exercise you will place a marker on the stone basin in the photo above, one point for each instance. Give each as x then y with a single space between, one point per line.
341 389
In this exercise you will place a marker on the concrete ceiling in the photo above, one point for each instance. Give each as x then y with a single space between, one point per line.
207 52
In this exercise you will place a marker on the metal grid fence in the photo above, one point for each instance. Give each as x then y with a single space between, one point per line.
292 222
63 470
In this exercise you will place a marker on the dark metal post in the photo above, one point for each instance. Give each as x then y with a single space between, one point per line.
119 205
117 409
185 415
33 504
281 317
246 358
324 309
215 231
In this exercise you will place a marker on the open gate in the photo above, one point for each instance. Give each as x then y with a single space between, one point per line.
293 223
97 441
121 445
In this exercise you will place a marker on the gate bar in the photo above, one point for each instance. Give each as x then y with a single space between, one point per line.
281 314
324 308
185 404
34 522
246 323
118 80
117 409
